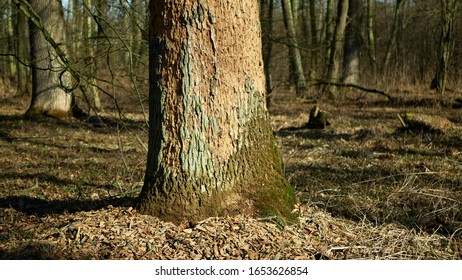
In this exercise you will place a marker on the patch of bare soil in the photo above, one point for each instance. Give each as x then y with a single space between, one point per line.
367 189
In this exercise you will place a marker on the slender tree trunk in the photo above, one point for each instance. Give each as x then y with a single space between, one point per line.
211 149
22 45
11 39
77 28
314 39
266 18
102 42
447 42
92 91
391 47
328 31
48 73
296 64
371 34
295 15
352 46
337 44
135 33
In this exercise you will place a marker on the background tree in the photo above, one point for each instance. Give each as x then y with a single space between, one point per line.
352 46
211 149
266 19
447 41
403 38
49 76
296 67
337 42
371 34
395 32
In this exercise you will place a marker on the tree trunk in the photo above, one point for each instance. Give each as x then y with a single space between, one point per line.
371 34
266 18
352 46
447 41
314 39
11 38
102 42
336 47
328 31
22 45
394 36
295 58
295 14
135 33
77 28
211 149
48 73
92 91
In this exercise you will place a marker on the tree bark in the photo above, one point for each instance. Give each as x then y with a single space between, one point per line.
328 31
94 99
22 46
337 42
447 42
211 149
391 47
11 36
371 34
352 46
296 65
77 28
295 14
266 18
49 76
314 39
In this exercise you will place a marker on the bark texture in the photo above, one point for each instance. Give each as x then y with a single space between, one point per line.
447 42
337 42
266 19
352 46
295 58
211 149
49 76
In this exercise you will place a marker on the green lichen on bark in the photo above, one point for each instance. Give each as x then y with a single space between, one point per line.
273 195
214 152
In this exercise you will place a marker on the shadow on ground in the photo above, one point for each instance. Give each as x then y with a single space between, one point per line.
43 207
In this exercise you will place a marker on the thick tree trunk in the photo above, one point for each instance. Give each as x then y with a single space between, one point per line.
211 149
296 65
352 46
48 73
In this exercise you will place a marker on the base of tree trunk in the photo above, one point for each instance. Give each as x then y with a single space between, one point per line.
255 186
58 114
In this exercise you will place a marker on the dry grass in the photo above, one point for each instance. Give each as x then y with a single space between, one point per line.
367 189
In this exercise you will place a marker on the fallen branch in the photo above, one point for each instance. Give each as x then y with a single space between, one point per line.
371 90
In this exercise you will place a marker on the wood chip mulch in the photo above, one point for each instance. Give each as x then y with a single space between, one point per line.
123 233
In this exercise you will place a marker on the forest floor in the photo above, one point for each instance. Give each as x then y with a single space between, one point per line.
368 188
